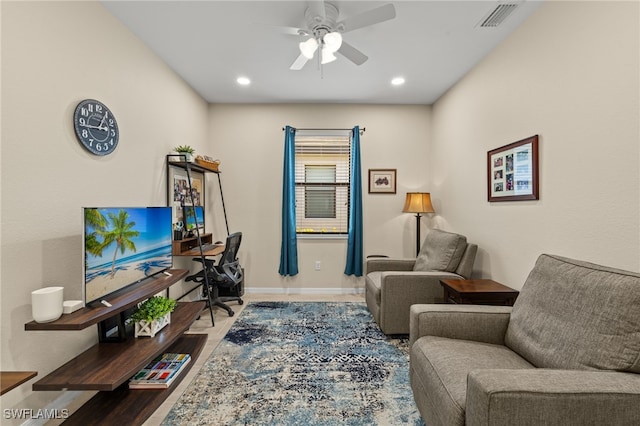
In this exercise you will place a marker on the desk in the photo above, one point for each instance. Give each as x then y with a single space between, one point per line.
216 250
189 246
479 292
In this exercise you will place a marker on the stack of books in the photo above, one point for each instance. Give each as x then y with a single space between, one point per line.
161 372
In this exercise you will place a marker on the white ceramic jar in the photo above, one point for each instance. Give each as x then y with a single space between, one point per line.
46 304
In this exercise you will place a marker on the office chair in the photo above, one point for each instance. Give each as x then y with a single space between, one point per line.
227 274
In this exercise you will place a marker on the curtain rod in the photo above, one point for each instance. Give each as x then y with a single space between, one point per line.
361 130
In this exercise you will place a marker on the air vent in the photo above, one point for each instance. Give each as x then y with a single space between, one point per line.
498 14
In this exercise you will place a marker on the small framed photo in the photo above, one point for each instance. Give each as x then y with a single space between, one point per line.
382 181
512 171
178 194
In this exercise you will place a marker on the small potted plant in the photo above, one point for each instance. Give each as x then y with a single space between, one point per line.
185 150
152 315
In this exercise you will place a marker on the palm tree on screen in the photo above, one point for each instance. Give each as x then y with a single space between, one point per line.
121 233
95 220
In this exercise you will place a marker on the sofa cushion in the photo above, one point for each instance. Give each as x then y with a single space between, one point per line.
373 283
441 251
577 315
439 369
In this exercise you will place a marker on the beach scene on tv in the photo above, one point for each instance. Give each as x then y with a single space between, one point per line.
124 246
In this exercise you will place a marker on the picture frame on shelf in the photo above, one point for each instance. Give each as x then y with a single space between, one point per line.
512 171
382 181
178 191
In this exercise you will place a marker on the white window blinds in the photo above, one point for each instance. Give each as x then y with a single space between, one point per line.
322 183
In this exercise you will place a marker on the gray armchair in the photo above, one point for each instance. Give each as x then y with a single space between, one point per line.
393 285
567 353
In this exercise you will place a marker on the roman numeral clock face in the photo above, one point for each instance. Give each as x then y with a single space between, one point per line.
96 127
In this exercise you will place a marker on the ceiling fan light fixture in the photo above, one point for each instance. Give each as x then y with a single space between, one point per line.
327 56
332 41
308 48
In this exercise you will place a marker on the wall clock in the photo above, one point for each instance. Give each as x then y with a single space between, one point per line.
96 127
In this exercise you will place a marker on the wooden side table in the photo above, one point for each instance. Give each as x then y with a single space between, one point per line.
478 292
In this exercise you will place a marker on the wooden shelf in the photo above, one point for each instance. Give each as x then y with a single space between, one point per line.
186 245
133 295
134 406
192 166
106 366
190 247
12 379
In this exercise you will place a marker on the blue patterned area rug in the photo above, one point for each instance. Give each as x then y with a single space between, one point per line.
300 363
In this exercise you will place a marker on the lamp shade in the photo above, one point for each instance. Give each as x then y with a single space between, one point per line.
327 56
333 41
418 202
308 48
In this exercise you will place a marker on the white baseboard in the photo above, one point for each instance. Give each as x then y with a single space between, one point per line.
306 290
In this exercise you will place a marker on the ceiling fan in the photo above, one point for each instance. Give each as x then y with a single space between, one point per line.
324 32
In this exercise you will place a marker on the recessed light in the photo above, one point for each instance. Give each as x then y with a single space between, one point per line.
243 81
397 81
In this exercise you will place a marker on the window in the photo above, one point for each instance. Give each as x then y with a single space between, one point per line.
319 200
322 183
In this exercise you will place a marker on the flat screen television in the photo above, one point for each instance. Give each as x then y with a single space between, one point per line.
193 215
123 246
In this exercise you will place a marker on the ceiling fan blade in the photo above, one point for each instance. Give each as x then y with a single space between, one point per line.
317 10
298 63
373 16
352 54
290 30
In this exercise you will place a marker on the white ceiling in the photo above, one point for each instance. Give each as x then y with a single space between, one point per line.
432 44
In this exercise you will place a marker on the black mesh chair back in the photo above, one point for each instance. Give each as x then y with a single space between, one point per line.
227 274
229 267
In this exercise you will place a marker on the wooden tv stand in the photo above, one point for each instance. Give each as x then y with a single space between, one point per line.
107 367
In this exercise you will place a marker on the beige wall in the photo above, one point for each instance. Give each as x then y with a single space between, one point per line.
570 74
53 56
248 139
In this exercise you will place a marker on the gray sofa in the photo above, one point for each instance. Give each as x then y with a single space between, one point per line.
567 353
393 285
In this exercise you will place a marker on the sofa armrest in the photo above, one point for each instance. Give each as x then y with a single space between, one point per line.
480 323
552 397
387 264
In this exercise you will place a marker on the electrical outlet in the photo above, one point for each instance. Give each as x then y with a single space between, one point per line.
317 266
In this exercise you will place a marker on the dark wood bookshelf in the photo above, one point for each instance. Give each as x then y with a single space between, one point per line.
129 297
13 379
134 406
106 366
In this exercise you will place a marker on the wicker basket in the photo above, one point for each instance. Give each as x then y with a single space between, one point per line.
211 165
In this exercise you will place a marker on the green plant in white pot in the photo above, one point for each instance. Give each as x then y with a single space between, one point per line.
185 150
152 315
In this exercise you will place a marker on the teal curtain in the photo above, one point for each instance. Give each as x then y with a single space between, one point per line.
289 247
354 239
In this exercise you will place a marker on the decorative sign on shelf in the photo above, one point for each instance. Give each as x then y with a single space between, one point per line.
208 162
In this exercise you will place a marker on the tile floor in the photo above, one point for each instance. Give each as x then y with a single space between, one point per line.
222 324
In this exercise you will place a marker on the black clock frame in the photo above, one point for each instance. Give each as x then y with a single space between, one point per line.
96 127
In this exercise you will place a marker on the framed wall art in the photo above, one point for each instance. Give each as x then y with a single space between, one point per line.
178 191
382 181
512 171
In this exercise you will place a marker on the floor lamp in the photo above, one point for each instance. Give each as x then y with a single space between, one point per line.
418 202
